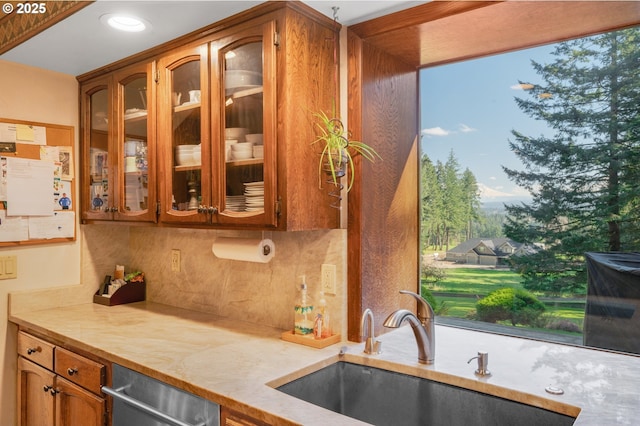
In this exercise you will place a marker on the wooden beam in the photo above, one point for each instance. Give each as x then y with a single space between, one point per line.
19 26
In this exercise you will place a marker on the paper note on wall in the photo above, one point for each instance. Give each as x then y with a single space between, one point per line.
13 228
60 225
29 185
28 134
7 132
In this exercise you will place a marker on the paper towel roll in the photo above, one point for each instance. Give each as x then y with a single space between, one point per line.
246 249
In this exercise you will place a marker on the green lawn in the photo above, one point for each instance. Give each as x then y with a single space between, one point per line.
462 287
476 281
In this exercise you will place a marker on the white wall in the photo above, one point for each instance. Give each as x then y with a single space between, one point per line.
28 93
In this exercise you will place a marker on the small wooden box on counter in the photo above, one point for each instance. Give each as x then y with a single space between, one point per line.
128 293
309 340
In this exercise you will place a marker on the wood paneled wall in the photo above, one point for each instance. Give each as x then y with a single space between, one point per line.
383 204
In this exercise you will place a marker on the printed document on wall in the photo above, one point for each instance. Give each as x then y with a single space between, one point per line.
60 225
29 187
13 228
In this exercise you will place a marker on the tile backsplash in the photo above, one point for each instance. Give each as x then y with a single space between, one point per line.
262 293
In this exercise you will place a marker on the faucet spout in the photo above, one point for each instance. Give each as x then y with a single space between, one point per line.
371 346
423 327
425 347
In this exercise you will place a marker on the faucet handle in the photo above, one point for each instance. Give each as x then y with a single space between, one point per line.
425 311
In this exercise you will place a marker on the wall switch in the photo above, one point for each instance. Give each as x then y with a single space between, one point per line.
175 260
328 274
8 267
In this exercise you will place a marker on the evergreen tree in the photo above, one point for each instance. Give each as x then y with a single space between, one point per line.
453 218
450 202
470 202
431 203
584 178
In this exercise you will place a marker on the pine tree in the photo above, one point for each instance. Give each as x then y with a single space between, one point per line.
431 203
470 202
585 178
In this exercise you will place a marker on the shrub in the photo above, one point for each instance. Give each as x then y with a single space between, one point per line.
432 275
515 305
564 325
438 308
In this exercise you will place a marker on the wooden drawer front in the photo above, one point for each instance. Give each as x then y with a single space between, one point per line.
79 370
35 349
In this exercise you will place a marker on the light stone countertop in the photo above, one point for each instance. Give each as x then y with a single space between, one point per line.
236 364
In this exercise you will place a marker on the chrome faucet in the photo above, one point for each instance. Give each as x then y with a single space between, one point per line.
371 346
423 327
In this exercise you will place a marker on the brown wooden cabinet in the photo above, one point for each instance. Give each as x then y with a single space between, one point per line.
118 145
233 179
57 387
230 417
262 73
36 404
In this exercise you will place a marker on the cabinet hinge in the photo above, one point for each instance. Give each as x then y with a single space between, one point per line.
276 38
278 206
158 208
156 76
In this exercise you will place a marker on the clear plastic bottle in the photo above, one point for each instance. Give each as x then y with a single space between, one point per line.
322 324
304 311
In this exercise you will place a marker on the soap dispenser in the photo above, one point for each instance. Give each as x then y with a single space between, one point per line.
304 310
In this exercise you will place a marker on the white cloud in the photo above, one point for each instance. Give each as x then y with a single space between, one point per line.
522 86
439 131
436 131
499 193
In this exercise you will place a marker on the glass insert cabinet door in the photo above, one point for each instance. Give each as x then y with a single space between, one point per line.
118 181
183 129
135 149
96 182
247 120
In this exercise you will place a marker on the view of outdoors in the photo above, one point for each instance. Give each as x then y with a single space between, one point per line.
530 159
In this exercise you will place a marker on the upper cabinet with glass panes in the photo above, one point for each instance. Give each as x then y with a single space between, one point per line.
118 145
229 127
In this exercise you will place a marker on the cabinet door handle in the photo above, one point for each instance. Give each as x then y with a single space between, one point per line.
72 371
53 391
31 351
47 388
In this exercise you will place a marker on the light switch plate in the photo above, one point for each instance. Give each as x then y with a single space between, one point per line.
8 267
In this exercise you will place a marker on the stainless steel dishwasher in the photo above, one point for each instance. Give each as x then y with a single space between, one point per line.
139 400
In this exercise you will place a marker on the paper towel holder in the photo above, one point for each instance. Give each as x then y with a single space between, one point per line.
266 248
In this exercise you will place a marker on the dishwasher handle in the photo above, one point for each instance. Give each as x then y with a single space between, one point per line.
118 394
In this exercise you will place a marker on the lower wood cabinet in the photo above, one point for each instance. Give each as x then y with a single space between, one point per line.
57 387
230 417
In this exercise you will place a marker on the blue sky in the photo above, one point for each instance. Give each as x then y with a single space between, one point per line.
469 107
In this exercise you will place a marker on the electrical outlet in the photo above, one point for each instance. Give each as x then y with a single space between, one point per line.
328 274
175 260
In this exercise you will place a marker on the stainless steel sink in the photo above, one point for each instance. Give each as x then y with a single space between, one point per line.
383 397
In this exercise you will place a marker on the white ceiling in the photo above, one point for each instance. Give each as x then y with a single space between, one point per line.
81 43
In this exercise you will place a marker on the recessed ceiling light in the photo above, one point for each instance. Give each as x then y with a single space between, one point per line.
126 23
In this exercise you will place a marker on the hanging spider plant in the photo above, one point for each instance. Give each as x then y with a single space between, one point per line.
336 158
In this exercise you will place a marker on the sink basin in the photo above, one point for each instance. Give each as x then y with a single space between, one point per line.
384 397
